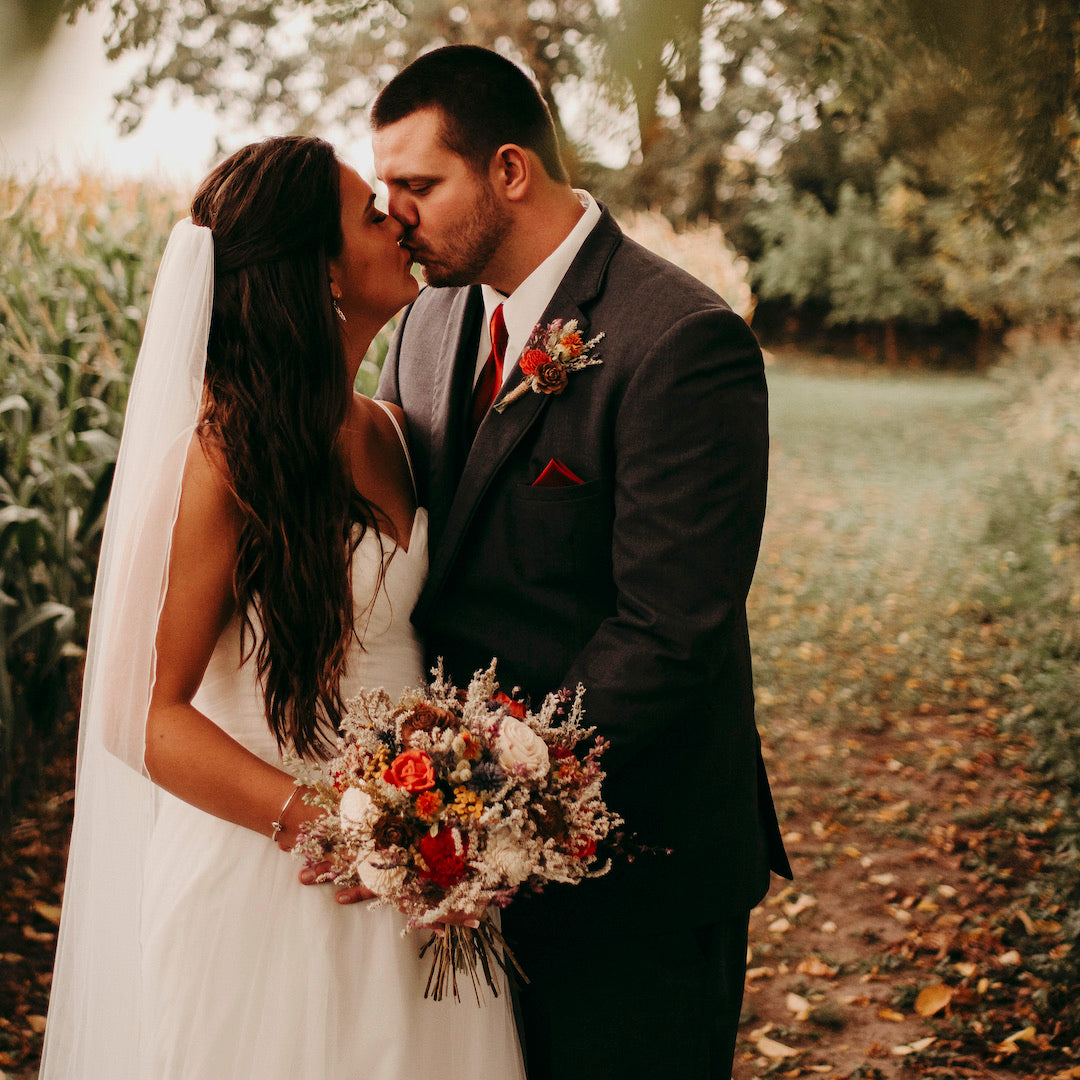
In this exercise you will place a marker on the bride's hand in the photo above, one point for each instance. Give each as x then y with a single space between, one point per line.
470 919
316 875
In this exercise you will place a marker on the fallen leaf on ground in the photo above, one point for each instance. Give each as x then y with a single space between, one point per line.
1023 1035
797 1004
891 813
913 1047
48 911
814 965
760 972
892 1014
773 1049
799 905
933 999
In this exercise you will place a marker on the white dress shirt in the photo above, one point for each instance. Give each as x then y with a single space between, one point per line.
524 306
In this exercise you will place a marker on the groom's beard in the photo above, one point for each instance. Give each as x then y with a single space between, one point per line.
464 251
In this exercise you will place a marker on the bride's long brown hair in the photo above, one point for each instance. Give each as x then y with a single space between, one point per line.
276 394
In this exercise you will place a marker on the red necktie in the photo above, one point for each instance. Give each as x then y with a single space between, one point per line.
491 374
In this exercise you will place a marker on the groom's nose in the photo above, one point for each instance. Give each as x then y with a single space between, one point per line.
402 207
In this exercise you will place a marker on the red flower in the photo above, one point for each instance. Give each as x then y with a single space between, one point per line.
514 708
411 771
583 849
445 867
533 359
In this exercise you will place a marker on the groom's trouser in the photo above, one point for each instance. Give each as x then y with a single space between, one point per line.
648 1007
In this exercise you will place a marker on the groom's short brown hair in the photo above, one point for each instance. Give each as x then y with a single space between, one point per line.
485 101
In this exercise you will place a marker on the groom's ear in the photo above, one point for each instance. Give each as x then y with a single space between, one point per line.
511 171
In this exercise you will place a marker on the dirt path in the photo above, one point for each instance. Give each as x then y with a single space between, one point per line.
883 677
886 672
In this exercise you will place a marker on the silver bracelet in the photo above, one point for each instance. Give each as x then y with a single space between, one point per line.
279 825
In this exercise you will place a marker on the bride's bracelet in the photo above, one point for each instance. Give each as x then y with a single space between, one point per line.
279 824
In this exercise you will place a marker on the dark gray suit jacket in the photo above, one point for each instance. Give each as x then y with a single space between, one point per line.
634 582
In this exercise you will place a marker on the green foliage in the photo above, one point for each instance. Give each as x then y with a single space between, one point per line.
854 261
798 126
76 265
1031 275
1040 516
924 171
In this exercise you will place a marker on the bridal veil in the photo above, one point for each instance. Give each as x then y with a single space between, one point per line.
93 1022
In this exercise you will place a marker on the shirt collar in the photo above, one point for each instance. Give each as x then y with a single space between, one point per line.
524 306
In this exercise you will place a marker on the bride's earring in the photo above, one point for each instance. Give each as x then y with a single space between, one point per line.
337 311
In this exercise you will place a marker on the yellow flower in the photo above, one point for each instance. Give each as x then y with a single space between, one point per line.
377 764
467 802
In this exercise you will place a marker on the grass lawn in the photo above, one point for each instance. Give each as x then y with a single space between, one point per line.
887 666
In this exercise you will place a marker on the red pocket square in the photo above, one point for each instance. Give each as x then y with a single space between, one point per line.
556 474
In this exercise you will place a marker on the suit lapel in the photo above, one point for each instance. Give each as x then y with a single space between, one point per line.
501 432
455 358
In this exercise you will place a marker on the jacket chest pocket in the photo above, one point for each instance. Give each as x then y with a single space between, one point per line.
559 535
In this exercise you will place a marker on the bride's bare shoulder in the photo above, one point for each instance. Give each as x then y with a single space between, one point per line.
207 488
377 409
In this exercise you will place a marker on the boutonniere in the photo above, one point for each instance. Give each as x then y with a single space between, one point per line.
551 354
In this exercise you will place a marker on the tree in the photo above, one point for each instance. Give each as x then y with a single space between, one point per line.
28 24
969 117
25 28
309 65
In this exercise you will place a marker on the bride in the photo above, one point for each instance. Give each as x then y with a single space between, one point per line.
262 555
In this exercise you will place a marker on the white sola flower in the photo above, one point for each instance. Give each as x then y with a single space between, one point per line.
505 858
356 809
521 750
386 881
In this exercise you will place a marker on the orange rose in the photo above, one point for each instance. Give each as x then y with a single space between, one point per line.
514 708
532 360
411 771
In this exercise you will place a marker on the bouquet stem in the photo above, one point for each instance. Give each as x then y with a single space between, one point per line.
479 952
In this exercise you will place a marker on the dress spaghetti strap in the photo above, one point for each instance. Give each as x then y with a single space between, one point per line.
404 445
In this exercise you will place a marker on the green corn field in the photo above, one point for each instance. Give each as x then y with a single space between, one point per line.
77 263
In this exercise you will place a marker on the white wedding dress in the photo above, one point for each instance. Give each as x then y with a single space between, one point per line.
188 949
249 975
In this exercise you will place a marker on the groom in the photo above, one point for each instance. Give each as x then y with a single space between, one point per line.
602 528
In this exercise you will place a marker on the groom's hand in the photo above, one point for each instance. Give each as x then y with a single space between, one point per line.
317 874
